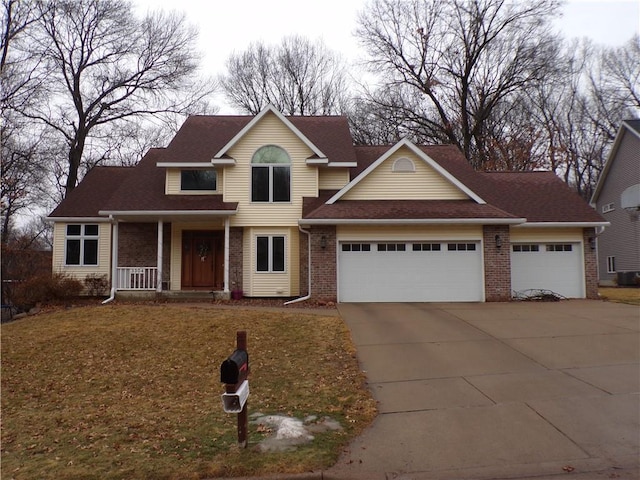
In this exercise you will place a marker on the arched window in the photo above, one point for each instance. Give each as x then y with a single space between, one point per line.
403 164
270 175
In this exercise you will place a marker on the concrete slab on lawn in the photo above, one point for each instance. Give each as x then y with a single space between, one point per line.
427 395
419 361
604 426
458 438
523 387
581 351
610 378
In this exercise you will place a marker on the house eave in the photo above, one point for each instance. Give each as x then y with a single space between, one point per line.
77 219
412 221
167 213
564 224
183 164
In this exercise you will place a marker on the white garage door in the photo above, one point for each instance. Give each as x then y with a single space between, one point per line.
548 266
410 272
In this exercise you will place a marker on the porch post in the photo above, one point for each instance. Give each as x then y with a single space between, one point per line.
159 264
226 254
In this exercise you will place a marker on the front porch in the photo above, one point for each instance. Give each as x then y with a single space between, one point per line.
175 260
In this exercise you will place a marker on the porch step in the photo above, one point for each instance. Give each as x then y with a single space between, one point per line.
174 295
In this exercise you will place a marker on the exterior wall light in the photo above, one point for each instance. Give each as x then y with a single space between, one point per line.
592 243
323 242
498 241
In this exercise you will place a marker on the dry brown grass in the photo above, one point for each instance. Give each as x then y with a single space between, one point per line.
132 391
628 295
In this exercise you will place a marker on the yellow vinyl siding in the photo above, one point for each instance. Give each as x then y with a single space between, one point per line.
541 235
172 184
423 184
333 178
237 181
176 246
76 271
267 284
408 233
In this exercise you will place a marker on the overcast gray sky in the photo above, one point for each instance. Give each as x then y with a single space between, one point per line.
228 26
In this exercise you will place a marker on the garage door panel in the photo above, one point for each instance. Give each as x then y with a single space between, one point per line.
410 276
551 267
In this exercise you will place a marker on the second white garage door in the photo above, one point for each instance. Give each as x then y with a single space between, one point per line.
548 266
410 272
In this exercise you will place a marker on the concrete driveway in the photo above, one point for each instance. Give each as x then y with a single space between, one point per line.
497 390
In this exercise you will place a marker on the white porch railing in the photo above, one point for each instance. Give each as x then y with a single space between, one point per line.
137 278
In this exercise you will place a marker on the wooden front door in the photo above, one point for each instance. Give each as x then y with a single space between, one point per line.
202 260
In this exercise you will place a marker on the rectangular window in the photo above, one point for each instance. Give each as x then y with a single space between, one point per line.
270 183
611 264
392 247
609 207
461 247
270 254
198 180
559 247
356 247
526 248
426 247
81 244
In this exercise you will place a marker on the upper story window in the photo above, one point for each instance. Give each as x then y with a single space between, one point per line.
609 207
81 245
270 175
403 164
198 179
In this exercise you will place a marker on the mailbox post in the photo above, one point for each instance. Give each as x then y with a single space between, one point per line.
233 373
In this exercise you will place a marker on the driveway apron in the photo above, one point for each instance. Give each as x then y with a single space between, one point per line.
497 390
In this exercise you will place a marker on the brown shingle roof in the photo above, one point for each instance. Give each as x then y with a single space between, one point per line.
91 194
406 210
144 190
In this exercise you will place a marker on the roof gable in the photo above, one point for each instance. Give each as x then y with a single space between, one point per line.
630 127
269 109
418 154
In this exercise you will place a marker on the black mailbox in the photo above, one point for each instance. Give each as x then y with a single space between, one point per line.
235 368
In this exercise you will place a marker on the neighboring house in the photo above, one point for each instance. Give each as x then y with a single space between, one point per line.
617 197
281 206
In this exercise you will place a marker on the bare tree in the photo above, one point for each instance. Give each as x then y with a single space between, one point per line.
298 77
106 68
455 63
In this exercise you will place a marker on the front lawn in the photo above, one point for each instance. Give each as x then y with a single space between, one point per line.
630 295
133 391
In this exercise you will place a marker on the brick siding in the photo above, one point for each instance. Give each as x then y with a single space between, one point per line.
323 263
138 246
497 263
235 258
590 263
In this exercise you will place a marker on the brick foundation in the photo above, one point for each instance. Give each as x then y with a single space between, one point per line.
497 263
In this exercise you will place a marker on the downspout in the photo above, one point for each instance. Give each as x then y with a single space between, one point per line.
114 259
308 295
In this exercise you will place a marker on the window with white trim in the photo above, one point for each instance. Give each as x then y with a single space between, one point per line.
356 247
198 179
81 245
526 248
392 247
270 175
611 264
609 207
426 247
403 164
270 253
461 247
560 247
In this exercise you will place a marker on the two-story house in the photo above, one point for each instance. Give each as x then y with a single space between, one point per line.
617 197
288 207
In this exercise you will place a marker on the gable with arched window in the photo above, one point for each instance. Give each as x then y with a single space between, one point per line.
270 175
